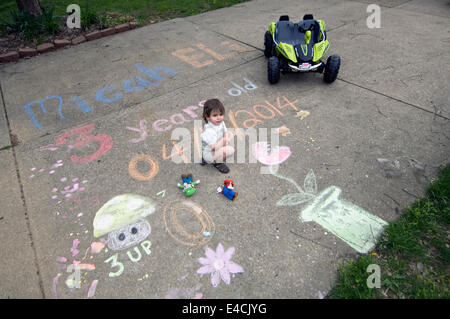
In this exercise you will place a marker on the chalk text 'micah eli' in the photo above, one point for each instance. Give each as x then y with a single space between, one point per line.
107 94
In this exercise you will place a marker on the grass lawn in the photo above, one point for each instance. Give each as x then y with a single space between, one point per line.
413 253
143 11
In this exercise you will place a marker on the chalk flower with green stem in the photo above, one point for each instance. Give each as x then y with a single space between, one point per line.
302 196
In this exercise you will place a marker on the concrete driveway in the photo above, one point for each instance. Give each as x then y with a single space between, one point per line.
90 206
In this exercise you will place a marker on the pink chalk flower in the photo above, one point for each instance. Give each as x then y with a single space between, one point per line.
219 265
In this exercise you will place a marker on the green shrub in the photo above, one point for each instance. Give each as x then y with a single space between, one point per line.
29 26
88 18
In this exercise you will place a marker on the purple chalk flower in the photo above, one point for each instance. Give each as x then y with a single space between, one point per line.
219 265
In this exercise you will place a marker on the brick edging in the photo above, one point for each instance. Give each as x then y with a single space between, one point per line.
14 56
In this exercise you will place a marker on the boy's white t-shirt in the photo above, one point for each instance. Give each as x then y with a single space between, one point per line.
213 133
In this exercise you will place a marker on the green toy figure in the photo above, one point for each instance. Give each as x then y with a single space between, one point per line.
188 186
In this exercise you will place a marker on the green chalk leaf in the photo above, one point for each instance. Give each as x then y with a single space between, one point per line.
295 199
310 184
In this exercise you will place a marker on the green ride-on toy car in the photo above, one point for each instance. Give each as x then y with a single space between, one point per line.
298 47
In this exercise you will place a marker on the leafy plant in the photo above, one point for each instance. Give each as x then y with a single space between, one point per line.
49 22
23 23
29 26
88 18
104 21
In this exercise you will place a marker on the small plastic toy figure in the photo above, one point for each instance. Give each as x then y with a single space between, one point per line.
227 189
188 186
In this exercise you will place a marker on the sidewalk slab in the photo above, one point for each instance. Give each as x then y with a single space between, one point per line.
282 257
129 102
393 65
18 270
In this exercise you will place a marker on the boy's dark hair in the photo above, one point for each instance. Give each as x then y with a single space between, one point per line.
211 105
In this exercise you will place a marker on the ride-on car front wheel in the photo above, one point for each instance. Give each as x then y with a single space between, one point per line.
332 68
273 70
268 45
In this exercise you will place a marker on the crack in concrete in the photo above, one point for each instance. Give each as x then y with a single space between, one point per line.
395 99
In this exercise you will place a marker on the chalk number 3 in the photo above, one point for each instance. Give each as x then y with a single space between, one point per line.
84 137
115 263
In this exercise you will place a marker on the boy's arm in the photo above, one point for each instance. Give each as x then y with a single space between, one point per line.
210 138
222 142
225 140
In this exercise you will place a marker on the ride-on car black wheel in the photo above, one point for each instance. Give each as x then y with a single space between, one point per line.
268 45
332 68
273 69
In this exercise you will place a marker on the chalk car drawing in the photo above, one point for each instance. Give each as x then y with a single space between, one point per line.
122 218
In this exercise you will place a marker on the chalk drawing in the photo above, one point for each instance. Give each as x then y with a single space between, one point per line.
218 263
142 130
162 193
92 288
49 147
263 112
128 86
277 155
177 151
172 213
99 96
122 219
153 72
393 168
97 247
197 59
136 174
129 235
237 90
283 130
74 280
74 249
142 84
143 277
85 137
58 163
302 114
41 103
54 285
355 226
69 190
351 223
163 125
114 260
82 104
